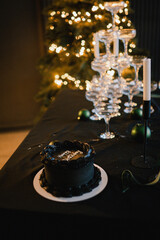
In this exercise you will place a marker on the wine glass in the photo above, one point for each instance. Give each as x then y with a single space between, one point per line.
100 65
106 36
114 93
125 35
106 113
91 94
130 89
113 8
137 61
106 107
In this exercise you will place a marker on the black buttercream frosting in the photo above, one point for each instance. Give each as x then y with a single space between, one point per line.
68 168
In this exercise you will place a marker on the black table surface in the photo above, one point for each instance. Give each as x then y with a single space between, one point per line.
111 206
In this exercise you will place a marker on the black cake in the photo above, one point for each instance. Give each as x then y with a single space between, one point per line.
68 168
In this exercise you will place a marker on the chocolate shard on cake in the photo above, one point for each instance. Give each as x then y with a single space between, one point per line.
68 168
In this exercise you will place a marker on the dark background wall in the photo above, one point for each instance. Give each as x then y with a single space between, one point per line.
20 49
146 19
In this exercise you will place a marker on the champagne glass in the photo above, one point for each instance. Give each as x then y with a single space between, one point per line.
106 36
107 109
113 8
137 61
106 113
125 35
91 94
130 89
100 65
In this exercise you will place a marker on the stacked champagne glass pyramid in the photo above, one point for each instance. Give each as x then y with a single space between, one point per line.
105 91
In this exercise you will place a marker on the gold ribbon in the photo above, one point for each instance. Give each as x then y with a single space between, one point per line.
129 179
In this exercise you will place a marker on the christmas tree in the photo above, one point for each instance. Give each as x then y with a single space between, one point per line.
69 29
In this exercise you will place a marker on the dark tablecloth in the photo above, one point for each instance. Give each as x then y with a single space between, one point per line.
111 211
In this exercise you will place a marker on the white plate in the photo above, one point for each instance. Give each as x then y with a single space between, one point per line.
94 192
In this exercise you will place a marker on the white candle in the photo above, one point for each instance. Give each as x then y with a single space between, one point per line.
96 46
116 46
147 79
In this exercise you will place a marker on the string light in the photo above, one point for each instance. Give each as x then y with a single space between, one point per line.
98 16
52 47
59 83
63 80
52 13
75 17
126 11
109 25
51 27
132 45
101 6
88 14
74 14
94 8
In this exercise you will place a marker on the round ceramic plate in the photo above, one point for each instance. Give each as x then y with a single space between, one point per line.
94 192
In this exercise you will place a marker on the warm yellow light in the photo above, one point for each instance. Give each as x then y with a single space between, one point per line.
52 47
58 82
51 27
74 13
59 49
81 88
94 8
109 25
52 13
56 76
70 22
126 11
132 45
63 15
81 52
98 16
78 37
65 82
88 14
83 42
78 19
117 21
101 6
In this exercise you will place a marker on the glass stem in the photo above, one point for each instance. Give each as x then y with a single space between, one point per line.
130 97
101 73
125 48
137 71
108 48
113 21
107 124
